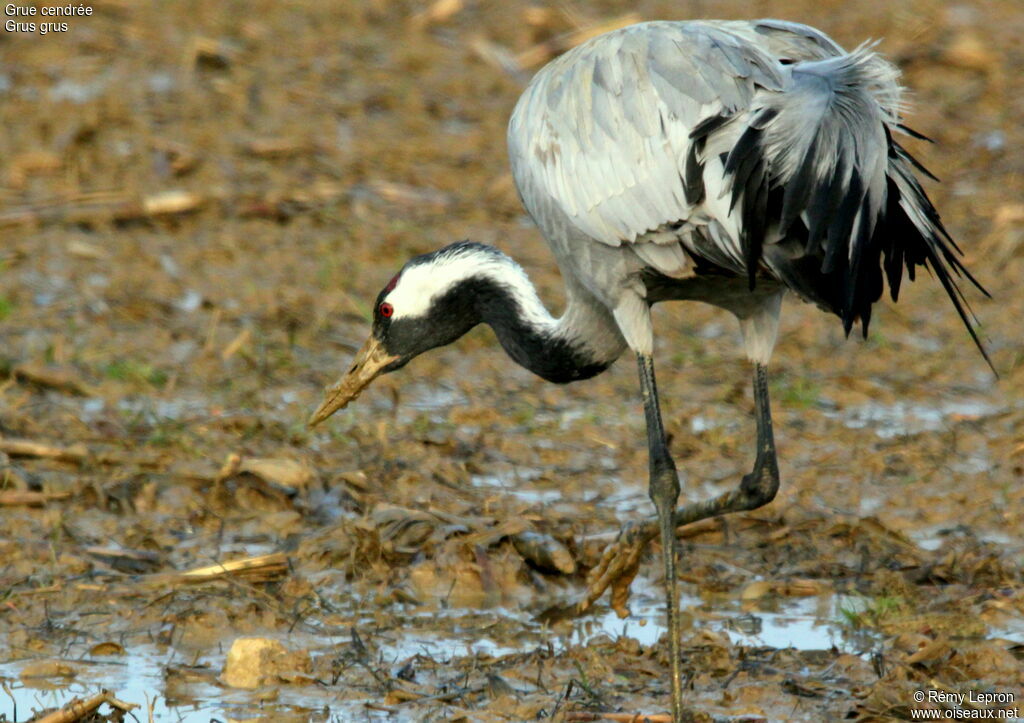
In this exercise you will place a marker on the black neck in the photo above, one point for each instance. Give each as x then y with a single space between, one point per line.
530 336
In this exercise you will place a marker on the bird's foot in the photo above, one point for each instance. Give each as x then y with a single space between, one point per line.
619 564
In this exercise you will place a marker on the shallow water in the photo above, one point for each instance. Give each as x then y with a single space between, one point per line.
804 624
211 332
807 624
904 418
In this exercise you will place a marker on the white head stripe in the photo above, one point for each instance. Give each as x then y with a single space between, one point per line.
420 284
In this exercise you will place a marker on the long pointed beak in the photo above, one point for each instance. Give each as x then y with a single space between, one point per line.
370 361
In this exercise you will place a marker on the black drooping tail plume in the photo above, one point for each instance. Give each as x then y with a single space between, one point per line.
913 217
828 200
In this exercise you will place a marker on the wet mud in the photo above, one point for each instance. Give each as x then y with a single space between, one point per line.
199 202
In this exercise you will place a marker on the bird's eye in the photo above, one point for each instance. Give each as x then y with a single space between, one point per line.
386 310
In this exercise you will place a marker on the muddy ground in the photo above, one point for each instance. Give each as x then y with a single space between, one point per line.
199 202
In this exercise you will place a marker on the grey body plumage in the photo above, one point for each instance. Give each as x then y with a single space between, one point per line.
757 148
723 162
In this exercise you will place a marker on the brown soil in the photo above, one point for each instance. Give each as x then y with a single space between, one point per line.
199 201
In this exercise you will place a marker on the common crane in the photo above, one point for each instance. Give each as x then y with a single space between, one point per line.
722 162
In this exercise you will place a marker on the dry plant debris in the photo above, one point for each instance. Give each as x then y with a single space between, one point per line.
198 207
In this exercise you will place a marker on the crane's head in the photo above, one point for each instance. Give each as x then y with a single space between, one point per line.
429 303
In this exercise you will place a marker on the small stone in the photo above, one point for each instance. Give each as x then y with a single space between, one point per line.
253 662
48 669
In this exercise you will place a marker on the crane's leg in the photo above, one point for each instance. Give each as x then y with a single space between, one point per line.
757 488
664 492
619 562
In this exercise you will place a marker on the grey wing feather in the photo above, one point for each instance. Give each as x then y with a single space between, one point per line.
820 150
603 131
827 200
756 147
795 41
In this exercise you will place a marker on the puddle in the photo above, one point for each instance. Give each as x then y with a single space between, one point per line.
813 623
441 635
140 678
529 484
181 408
904 418
700 423
519 487
458 636
137 678
934 536
798 625
629 502
431 397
